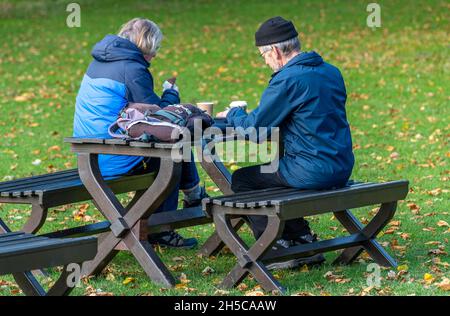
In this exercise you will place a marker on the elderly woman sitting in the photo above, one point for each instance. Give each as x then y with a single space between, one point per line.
119 75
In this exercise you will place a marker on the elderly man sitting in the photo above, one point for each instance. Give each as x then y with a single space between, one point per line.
306 99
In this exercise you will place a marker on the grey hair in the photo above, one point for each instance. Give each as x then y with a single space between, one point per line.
144 33
286 47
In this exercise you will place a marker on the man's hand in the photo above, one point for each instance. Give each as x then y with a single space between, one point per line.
222 114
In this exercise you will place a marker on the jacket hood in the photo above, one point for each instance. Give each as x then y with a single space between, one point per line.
114 48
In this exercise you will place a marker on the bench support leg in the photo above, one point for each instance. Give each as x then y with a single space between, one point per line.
28 284
36 220
214 244
31 287
249 260
371 230
222 178
3 227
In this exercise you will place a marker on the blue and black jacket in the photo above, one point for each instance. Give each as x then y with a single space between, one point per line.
306 100
118 74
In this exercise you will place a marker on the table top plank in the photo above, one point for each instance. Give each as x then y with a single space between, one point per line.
94 139
116 141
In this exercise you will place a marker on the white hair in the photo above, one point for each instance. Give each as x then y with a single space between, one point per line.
144 33
285 47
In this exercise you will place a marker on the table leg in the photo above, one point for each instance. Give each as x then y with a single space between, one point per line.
106 252
124 221
222 178
149 260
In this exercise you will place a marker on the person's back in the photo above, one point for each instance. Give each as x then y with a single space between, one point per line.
117 75
305 98
316 134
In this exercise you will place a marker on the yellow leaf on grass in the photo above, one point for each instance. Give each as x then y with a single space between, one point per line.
442 224
54 148
390 148
403 267
222 69
428 278
128 281
304 268
24 97
234 167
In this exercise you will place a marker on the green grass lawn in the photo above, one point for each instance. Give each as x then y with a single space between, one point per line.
397 79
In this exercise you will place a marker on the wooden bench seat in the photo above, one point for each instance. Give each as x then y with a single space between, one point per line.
21 252
281 204
59 188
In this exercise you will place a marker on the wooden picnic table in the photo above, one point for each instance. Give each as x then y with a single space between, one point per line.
130 225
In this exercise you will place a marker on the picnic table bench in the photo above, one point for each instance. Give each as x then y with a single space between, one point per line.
65 187
21 252
60 188
281 204
127 226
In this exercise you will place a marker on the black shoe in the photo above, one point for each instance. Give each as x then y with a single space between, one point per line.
172 239
297 262
314 260
305 239
282 244
196 202
289 264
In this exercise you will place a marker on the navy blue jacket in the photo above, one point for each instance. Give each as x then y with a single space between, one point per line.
118 74
306 100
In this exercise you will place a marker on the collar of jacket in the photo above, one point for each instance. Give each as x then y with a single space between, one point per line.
304 58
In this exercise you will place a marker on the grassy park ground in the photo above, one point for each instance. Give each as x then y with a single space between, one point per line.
397 79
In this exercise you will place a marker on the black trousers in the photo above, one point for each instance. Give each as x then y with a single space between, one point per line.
251 178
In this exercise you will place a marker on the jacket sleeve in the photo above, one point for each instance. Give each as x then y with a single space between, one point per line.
141 90
277 102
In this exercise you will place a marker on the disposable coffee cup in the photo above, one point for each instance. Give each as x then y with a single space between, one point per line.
206 106
235 104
